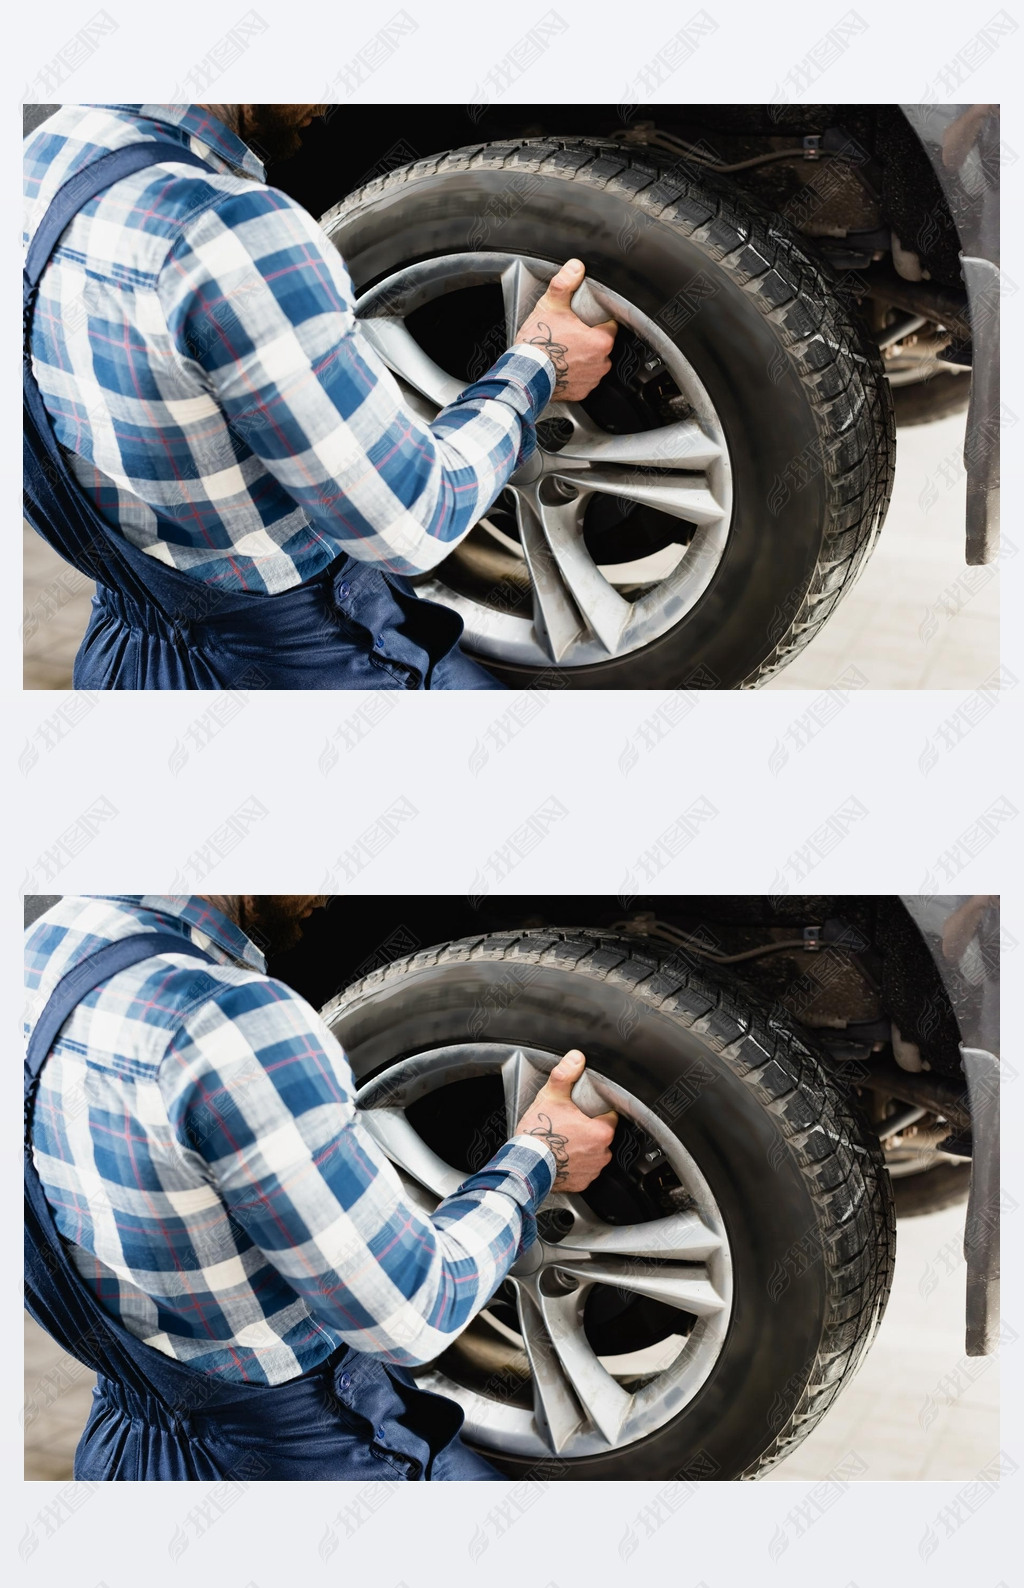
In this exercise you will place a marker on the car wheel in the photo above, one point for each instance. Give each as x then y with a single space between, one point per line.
699 1307
694 521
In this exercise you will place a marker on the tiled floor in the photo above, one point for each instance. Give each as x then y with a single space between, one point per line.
917 1409
918 618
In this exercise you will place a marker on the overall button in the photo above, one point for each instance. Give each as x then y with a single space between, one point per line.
344 1381
379 1434
379 642
344 589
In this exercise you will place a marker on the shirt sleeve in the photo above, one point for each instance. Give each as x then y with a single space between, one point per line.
261 306
286 1149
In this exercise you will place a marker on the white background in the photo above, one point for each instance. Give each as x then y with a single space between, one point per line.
591 754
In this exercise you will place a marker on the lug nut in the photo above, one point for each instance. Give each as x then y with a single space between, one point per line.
555 492
556 1282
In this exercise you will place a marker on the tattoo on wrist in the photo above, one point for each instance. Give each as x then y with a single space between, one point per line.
556 352
559 1145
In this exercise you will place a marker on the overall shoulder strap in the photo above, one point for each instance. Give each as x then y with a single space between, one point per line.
92 179
55 504
55 1295
78 982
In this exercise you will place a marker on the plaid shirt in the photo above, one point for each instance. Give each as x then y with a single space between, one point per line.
197 350
197 1139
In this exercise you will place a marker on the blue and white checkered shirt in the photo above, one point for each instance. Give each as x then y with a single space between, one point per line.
197 350
196 1135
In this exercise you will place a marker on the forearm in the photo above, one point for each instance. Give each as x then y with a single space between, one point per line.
401 1285
260 311
392 488
299 1172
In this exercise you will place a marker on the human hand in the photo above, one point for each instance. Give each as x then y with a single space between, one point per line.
581 1145
581 353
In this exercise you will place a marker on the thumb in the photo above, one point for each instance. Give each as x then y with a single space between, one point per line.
566 1073
562 286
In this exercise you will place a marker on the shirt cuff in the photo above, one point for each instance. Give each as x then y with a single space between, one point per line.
535 1162
523 1169
524 378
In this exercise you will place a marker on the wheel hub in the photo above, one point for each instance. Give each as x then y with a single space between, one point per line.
531 1261
575 611
530 472
582 1403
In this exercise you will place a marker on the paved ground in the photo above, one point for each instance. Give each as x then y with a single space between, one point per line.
917 1409
918 619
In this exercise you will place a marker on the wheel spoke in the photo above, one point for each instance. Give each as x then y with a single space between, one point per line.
684 1285
681 1236
522 1081
569 589
583 428
555 616
682 495
607 614
679 446
391 1130
421 406
555 1406
605 1403
520 289
416 1193
391 338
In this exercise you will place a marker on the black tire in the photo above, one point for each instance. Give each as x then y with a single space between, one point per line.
945 1185
797 1174
921 402
797 382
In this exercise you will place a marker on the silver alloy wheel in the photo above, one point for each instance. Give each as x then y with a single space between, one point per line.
580 614
581 1406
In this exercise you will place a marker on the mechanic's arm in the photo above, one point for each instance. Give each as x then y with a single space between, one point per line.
260 306
286 1149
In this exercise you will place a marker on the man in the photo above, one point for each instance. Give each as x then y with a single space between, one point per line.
233 461
214 1230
